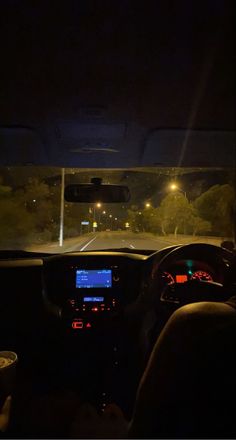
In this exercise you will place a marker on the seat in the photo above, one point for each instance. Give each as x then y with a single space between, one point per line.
188 389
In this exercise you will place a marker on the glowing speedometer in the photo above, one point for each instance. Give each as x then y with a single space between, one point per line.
201 275
167 278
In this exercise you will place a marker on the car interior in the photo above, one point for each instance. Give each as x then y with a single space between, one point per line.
89 322
150 329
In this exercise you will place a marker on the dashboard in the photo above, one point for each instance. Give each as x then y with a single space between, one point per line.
84 289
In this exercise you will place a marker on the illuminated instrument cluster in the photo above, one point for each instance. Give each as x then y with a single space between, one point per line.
201 275
183 275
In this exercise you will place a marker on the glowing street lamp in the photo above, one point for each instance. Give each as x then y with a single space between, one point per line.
96 205
174 187
147 205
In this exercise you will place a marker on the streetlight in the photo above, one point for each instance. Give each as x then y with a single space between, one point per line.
147 205
174 187
97 205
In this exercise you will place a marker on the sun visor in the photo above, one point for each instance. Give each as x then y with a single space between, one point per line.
189 148
95 145
21 146
79 144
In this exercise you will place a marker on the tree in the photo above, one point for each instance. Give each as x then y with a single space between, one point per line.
142 220
200 225
216 206
75 213
175 213
15 221
133 218
36 198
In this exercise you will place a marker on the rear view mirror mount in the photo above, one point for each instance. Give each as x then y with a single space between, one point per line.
95 192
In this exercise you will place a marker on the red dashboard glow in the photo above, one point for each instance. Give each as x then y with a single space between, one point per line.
181 278
77 325
167 278
201 275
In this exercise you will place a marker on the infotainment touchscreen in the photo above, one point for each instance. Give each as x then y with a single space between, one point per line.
89 279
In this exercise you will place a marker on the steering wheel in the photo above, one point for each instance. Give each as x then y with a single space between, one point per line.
165 298
194 290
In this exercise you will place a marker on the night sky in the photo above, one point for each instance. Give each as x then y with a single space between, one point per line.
164 63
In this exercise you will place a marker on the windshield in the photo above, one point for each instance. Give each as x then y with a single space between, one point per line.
167 206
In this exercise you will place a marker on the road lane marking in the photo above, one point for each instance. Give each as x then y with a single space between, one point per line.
131 246
84 247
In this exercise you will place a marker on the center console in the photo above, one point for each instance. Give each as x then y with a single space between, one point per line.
91 295
90 290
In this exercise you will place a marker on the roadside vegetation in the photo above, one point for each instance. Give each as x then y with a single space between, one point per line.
208 214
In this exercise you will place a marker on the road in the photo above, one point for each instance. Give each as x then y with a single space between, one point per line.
115 239
108 240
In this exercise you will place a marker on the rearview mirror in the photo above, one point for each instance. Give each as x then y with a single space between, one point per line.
92 193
